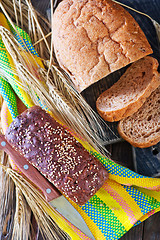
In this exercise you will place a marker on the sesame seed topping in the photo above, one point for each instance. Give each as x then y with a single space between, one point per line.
56 153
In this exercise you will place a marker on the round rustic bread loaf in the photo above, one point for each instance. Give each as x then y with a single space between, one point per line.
93 38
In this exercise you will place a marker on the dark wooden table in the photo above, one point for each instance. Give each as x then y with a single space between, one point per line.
147 161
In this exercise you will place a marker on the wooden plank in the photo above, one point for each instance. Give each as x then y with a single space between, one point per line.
148 160
152 228
41 6
121 153
135 233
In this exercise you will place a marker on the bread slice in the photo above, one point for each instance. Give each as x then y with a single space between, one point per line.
142 129
128 94
94 38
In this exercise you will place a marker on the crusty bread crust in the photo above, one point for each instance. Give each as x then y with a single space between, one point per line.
129 93
93 38
142 129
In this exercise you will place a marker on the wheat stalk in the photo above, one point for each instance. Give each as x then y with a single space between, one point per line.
22 217
71 113
28 197
7 199
27 17
101 135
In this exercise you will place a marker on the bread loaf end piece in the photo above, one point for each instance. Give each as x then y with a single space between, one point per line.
129 93
142 129
56 154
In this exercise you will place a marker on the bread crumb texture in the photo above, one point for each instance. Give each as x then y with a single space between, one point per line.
142 129
129 93
93 38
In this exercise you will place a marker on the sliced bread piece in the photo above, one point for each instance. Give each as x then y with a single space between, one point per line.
142 129
129 93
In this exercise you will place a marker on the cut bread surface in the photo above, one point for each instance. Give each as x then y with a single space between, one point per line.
142 129
129 93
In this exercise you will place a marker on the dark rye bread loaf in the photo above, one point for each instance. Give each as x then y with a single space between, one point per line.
56 154
129 93
142 129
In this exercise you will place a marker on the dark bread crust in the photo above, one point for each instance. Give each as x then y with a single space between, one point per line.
56 154
93 38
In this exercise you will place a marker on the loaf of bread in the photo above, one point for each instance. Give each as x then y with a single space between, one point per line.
94 38
142 129
56 154
129 93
